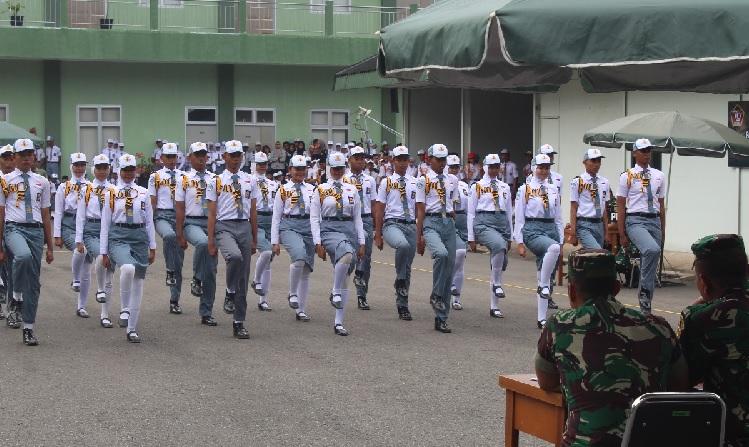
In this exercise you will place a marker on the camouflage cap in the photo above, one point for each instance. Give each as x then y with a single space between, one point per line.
718 246
591 264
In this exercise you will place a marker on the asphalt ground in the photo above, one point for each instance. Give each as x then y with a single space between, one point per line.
390 382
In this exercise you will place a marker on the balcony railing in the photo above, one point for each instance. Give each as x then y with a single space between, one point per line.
318 17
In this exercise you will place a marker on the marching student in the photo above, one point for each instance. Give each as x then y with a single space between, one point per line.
490 224
435 228
335 218
395 222
192 227
367 190
66 207
291 226
87 237
128 240
7 165
460 205
232 229
24 228
589 195
162 186
261 283
539 227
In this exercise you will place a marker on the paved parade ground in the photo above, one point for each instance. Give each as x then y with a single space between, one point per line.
390 382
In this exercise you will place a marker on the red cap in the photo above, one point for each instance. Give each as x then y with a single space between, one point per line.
473 155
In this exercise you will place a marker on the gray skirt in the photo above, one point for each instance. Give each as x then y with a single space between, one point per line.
339 238
492 231
296 237
67 231
129 246
538 237
263 233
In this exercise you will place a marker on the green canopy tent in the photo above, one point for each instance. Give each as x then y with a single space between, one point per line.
9 133
682 45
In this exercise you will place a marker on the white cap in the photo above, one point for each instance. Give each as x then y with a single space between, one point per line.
453 160
492 159
101 159
330 143
233 146
50 138
592 154
504 151
398 151
542 159
546 149
336 160
261 157
24 144
78 157
109 140
642 143
420 152
298 161
257 143
159 140
169 149
356 150
6 149
198 147
121 145
350 145
308 158
338 144
127 161
278 174
438 151
384 143
53 175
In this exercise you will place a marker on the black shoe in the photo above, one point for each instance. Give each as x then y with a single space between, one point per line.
441 326
340 330
240 332
264 307
301 316
82 313
174 308
257 288
122 322
29 338
496 313
541 324
359 279
400 287
404 313
552 305
76 286
363 305
543 295
437 302
293 304
196 288
133 337
101 297
170 279
229 303
14 319
106 323
337 304
208 321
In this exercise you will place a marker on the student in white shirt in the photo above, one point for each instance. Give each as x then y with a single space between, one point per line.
460 205
53 154
508 170
268 188
589 195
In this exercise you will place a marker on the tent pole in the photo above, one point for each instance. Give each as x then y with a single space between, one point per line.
668 192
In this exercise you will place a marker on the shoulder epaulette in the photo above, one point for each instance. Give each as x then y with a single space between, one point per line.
218 185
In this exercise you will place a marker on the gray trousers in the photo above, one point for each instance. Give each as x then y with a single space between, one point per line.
402 238
365 264
234 240
590 234
439 235
645 233
26 244
165 223
203 265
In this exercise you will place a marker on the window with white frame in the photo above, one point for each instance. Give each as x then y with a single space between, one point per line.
162 3
3 112
96 124
257 117
339 6
200 115
329 125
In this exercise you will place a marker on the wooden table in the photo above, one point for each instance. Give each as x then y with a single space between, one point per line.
531 410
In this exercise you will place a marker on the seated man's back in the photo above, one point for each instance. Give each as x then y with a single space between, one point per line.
604 354
714 332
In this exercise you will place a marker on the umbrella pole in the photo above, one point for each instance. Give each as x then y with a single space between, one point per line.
668 192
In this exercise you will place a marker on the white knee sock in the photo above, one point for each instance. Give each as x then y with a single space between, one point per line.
85 282
303 288
127 272
542 306
339 312
135 301
547 266
265 284
100 272
263 263
458 271
77 263
295 273
340 278
496 262
108 276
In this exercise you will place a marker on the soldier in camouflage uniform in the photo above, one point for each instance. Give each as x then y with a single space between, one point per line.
714 331
604 354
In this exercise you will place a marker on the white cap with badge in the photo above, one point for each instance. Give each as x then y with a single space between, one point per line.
437 151
198 147
22 145
169 149
101 159
128 161
453 160
7 149
399 151
298 161
261 157
492 159
356 150
233 146
592 154
642 143
542 159
546 149
336 160
78 157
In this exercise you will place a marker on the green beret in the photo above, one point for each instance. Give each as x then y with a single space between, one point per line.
591 264
718 246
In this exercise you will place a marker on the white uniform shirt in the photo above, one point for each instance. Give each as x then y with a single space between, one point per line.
222 191
581 191
366 188
634 189
53 154
390 194
91 204
413 171
508 172
530 204
268 189
114 212
324 204
554 178
66 201
163 187
433 195
286 203
482 200
181 161
463 193
15 191
471 172
40 153
105 151
423 168
191 190
156 155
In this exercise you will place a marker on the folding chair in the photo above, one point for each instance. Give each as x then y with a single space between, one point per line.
679 419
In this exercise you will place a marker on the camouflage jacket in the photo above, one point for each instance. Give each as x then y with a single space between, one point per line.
606 356
715 340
